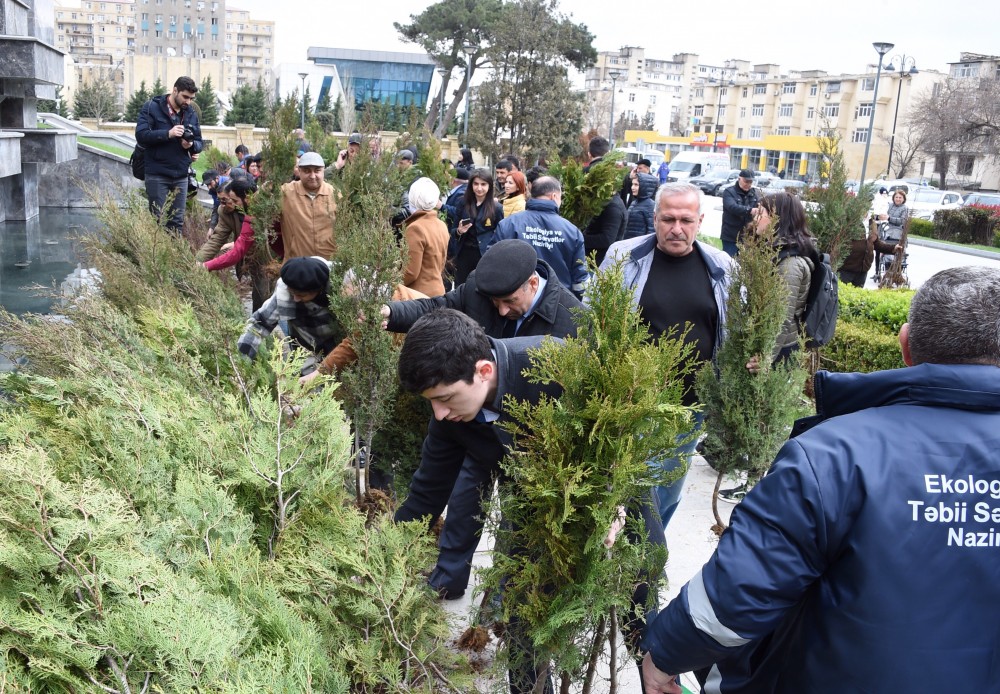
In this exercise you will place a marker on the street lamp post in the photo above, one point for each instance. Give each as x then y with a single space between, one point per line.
903 72
469 49
614 75
303 75
882 48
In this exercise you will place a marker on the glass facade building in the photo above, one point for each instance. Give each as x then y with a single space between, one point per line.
392 79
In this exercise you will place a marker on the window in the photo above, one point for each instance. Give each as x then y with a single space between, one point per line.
755 132
868 84
863 111
723 91
744 91
966 162
808 133
832 111
743 111
631 96
785 111
158 34
810 113
965 70
699 111
757 110
773 160
783 130
722 112
652 99
739 132
760 89
788 88
833 87
860 135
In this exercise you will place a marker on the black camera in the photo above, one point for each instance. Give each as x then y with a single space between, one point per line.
188 135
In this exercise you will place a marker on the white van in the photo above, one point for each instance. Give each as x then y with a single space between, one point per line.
633 155
689 164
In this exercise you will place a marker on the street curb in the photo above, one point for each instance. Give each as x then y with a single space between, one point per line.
979 253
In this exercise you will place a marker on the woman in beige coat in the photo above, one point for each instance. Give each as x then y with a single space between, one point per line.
426 240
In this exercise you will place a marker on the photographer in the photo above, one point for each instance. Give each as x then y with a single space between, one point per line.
168 130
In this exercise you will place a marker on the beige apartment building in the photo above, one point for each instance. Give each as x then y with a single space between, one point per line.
135 41
767 120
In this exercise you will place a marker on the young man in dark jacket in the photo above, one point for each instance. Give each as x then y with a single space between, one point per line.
168 129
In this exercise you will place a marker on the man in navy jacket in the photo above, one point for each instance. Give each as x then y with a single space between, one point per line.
168 129
555 239
867 558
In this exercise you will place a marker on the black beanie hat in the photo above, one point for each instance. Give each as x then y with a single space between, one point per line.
306 274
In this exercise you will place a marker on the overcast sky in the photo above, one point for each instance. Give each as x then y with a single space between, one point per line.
796 34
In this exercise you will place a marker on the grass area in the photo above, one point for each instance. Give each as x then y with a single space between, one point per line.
711 241
104 146
957 245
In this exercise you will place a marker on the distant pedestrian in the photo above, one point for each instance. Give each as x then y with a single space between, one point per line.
739 205
663 171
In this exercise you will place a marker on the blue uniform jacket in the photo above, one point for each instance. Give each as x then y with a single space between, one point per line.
555 239
868 558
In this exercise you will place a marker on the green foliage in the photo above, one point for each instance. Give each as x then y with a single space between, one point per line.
888 308
578 459
338 112
208 102
96 100
136 102
585 195
528 100
56 106
861 347
966 225
922 227
367 248
168 525
838 217
249 105
749 415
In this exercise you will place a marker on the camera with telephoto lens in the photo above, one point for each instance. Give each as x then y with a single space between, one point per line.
188 135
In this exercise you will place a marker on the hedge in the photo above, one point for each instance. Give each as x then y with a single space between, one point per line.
867 329
861 346
966 225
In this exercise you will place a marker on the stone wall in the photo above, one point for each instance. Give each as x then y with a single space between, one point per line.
66 184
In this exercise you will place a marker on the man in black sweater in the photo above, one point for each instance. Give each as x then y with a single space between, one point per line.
739 204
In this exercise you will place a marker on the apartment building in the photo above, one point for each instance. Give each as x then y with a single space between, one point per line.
136 41
767 120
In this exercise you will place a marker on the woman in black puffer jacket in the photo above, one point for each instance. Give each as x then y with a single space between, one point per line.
640 210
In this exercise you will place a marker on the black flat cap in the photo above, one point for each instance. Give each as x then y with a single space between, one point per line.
306 274
505 267
747 174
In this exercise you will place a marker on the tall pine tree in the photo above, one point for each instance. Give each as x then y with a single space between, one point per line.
208 102
158 89
249 106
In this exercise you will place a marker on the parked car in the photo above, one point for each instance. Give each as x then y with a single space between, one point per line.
685 165
762 179
985 199
781 185
712 182
924 202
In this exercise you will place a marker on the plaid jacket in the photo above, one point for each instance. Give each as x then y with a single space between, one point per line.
313 329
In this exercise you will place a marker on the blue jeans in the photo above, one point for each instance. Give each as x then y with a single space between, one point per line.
731 248
668 496
158 188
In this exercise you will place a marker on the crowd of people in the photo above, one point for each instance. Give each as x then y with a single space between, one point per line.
815 582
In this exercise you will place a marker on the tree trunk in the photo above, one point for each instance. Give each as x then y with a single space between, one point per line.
720 525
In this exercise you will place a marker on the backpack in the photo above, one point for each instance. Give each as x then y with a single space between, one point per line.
820 317
138 162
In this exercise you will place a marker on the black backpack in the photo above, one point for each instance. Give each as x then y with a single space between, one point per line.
138 162
820 317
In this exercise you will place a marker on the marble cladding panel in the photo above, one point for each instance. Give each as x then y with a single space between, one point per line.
53 146
28 59
10 154
67 184
42 21
13 18
21 194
